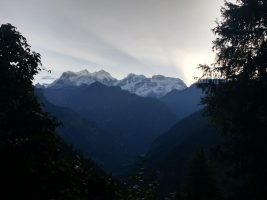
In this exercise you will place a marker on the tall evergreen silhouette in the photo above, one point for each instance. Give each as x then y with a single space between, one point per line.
237 94
199 182
35 164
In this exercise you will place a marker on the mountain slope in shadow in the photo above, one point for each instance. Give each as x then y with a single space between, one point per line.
167 159
133 121
84 135
184 103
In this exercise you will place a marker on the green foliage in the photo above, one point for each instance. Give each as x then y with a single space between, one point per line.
236 94
199 183
35 164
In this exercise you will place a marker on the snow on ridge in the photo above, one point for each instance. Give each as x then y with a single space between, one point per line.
70 78
156 86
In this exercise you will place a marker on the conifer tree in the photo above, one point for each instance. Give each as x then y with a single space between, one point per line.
236 94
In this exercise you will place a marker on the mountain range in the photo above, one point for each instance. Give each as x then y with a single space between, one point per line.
133 121
107 121
156 86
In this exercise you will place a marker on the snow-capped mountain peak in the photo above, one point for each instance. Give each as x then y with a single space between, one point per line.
68 73
134 77
156 86
102 74
83 77
83 73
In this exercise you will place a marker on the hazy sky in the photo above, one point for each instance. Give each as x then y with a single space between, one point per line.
168 37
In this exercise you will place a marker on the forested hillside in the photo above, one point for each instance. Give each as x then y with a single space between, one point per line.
170 153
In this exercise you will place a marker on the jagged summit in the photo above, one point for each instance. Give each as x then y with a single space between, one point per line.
156 86
102 74
132 75
83 73
70 78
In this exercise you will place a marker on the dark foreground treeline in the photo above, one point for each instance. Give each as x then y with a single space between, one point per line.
235 103
36 164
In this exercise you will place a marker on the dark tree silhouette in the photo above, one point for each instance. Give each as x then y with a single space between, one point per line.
35 164
199 182
237 94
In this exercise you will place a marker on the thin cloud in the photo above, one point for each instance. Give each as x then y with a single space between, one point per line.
120 36
48 78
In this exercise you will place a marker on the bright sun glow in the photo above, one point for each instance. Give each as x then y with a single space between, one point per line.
190 62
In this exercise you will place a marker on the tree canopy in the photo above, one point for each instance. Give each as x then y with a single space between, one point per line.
236 94
35 164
